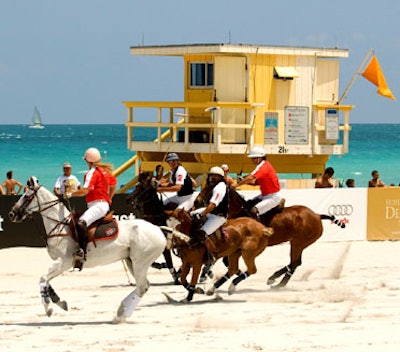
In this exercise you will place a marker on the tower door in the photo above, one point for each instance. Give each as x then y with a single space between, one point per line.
230 86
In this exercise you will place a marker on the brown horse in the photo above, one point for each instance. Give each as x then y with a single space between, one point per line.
241 237
296 224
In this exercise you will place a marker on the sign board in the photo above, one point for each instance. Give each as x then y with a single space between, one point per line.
332 124
296 125
271 128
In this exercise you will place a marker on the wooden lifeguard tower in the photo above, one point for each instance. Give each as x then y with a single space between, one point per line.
237 96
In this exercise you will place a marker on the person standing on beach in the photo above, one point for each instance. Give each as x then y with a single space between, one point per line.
99 187
180 182
325 180
66 183
9 184
350 183
375 181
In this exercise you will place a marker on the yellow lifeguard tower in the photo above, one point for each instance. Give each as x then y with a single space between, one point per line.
237 96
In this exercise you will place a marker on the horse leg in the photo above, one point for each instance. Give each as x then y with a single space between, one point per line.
287 270
233 268
249 260
170 266
47 293
130 302
196 269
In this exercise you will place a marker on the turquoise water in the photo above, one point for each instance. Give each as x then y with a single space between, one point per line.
42 152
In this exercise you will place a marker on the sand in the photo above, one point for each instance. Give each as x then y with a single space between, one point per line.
345 297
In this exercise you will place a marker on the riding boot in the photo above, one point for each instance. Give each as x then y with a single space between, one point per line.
255 214
80 254
212 249
268 231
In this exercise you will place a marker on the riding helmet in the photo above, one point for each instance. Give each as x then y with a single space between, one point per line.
216 170
257 152
92 155
172 156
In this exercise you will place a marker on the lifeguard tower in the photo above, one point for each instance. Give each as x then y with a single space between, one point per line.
237 96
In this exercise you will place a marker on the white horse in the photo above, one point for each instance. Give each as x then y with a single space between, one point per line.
139 244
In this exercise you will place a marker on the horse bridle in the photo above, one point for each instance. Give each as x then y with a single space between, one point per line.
40 208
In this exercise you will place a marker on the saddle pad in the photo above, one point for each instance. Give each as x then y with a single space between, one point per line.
106 231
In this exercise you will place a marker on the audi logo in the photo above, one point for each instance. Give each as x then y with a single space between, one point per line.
342 209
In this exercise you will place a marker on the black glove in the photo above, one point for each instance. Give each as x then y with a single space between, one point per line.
199 217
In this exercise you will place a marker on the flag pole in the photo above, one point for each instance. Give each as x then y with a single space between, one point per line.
370 51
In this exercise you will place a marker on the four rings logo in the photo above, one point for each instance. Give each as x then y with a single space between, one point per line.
340 209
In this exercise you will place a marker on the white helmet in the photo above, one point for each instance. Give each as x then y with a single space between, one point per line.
216 170
92 155
257 152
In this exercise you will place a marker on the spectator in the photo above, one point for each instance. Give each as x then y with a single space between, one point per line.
229 180
350 183
375 181
66 183
325 180
9 184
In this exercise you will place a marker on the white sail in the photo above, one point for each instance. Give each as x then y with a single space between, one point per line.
36 119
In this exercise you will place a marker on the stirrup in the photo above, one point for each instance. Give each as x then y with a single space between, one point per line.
79 259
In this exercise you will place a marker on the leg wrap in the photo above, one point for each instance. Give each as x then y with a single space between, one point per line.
222 280
241 277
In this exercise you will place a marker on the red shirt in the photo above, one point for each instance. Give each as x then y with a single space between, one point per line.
96 180
267 178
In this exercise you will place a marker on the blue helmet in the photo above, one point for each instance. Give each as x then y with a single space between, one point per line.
172 156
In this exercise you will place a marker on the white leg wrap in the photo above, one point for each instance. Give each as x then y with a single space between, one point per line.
130 302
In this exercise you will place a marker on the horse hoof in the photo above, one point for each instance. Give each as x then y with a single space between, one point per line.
63 305
199 291
210 292
270 281
232 289
119 319
49 312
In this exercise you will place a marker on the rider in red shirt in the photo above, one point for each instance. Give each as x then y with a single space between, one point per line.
265 176
99 187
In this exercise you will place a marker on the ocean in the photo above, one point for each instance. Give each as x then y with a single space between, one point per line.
41 152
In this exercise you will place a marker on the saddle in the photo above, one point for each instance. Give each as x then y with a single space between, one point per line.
269 215
105 228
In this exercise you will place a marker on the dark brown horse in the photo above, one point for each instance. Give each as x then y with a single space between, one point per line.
241 237
296 224
146 204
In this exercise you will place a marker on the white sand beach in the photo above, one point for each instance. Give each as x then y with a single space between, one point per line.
345 297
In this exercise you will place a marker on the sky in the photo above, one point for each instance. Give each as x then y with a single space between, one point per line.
72 59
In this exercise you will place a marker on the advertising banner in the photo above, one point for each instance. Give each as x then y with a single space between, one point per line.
348 205
383 217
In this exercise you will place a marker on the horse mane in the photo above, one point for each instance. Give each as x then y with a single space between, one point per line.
145 201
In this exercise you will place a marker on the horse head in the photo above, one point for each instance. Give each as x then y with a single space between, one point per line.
179 220
32 201
27 203
145 201
237 205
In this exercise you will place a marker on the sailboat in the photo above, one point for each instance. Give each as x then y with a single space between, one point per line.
36 119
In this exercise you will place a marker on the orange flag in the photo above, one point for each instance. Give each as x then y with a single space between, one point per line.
374 74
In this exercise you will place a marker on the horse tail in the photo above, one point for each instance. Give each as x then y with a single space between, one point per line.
333 219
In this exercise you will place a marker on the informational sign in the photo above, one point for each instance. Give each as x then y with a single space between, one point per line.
332 124
296 124
271 128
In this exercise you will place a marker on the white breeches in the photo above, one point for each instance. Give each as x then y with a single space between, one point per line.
268 202
184 202
213 222
96 210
